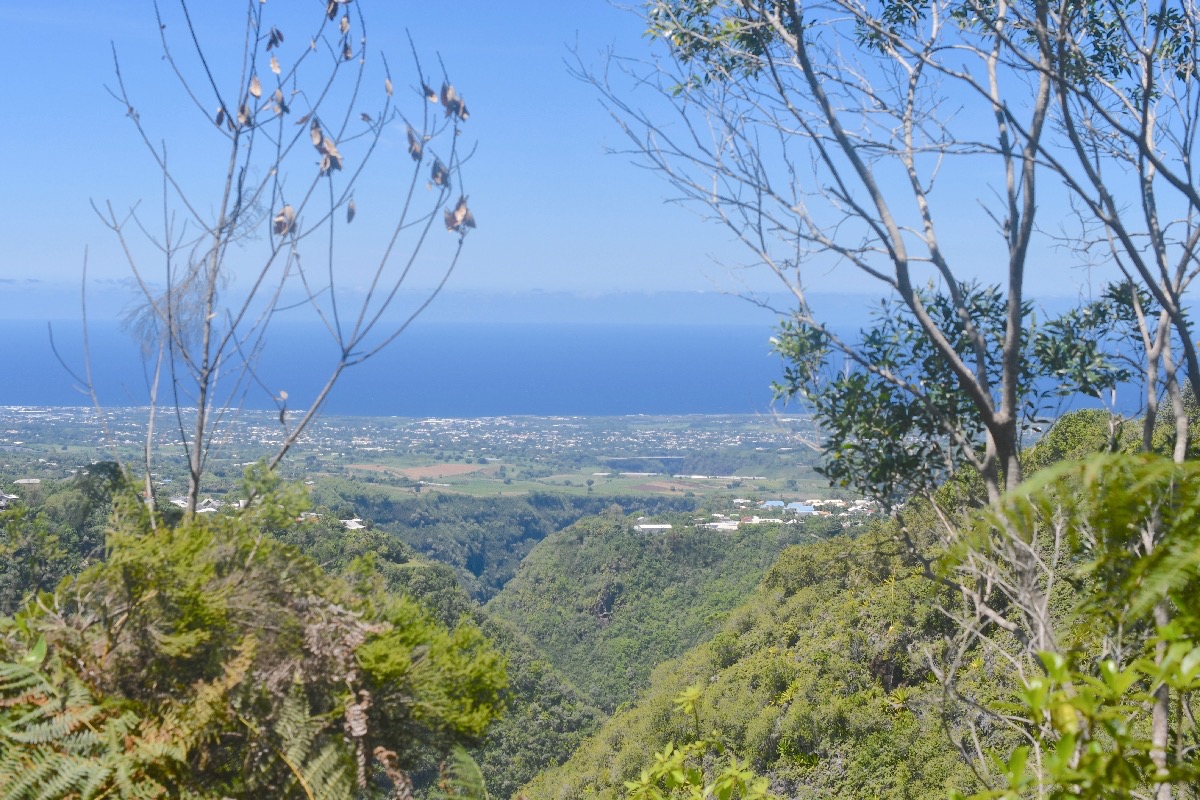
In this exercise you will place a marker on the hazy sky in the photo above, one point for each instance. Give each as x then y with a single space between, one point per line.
555 212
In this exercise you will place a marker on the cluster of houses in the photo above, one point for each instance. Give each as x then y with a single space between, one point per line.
7 500
777 512
820 508
774 512
205 506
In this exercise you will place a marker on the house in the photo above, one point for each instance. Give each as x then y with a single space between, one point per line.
208 506
355 524
771 504
652 528
6 500
800 508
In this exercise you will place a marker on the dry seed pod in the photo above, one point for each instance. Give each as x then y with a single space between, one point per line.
275 65
345 25
284 220
332 159
347 53
415 146
314 133
255 86
453 103
351 210
430 94
220 116
387 85
460 218
439 174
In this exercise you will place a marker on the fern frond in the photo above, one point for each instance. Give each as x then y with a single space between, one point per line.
461 778
328 774
57 741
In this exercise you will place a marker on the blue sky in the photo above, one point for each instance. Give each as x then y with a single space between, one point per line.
556 213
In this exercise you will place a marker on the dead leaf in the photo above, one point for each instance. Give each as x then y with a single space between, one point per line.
332 159
243 115
453 103
345 24
460 218
347 53
314 133
439 174
255 86
366 118
284 220
430 94
415 145
220 116
275 65
303 119
387 85
274 39
351 210
331 9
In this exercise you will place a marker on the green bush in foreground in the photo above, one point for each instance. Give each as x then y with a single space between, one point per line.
209 660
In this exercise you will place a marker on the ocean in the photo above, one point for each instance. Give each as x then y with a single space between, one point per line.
439 369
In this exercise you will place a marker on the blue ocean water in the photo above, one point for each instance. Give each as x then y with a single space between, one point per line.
440 369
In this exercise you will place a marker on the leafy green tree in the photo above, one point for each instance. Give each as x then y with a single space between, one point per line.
32 559
819 134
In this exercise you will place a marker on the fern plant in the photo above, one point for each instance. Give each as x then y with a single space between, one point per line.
57 741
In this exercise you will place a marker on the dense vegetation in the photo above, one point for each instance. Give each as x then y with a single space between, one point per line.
207 659
820 679
484 539
545 718
606 603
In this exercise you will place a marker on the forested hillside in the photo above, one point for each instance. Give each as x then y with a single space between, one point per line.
820 679
605 603
483 538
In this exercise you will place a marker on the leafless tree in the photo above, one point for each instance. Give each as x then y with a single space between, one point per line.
294 122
